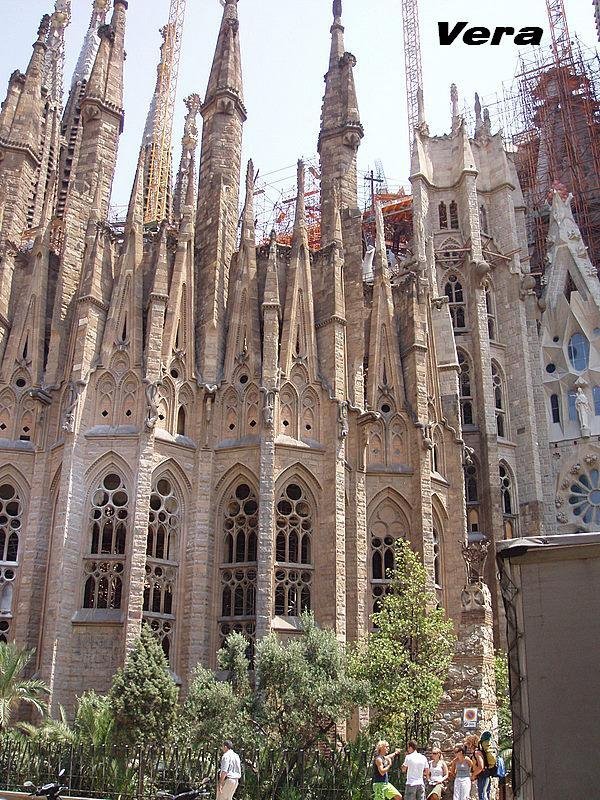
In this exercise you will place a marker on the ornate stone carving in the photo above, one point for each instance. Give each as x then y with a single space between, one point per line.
582 406
269 406
474 555
152 401
70 414
475 597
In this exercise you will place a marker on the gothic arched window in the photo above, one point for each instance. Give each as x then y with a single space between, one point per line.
507 496
571 398
596 395
294 520
555 407
483 218
238 564
443 215
108 528
454 291
472 497
437 560
465 389
11 517
386 526
579 352
499 401
491 311
162 562
454 215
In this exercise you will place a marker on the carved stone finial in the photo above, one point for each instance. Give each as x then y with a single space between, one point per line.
337 10
152 401
44 27
343 420
474 554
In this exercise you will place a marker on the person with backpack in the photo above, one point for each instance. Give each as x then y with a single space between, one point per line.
489 771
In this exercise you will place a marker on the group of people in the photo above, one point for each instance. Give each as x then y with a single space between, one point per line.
428 778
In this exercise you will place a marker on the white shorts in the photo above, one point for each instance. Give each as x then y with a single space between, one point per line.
462 788
228 790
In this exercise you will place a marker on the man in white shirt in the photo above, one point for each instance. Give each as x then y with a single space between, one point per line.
230 773
417 771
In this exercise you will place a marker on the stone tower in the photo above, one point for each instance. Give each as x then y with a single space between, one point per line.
210 436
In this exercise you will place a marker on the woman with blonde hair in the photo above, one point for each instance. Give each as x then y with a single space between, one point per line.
438 774
382 762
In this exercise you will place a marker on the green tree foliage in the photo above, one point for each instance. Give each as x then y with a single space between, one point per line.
50 731
94 721
16 689
304 687
407 657
143 695
300 690
505 733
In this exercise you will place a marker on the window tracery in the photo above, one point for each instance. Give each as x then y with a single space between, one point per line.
579 352
238 570
490 308
555 408
453 290
584 498
509 506
386 526
294 520
472 497
443 216
465 389
108 528
454 215
11 519
288 411
499 401
162 562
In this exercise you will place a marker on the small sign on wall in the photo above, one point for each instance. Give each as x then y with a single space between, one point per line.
470 717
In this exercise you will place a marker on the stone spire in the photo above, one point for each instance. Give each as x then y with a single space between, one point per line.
226 71
187 165
243 338
91 42
341 130
298 341
455 112
102 122
224 114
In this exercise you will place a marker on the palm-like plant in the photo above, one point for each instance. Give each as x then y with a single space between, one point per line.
14 687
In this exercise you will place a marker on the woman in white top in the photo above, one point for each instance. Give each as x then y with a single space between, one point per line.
438 774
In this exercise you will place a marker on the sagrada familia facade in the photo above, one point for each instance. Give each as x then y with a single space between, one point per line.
209 435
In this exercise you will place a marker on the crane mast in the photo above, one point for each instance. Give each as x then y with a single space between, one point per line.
159 169
413 64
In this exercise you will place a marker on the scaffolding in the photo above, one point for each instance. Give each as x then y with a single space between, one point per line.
551 121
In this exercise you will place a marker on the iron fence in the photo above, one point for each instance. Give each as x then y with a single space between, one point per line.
143 773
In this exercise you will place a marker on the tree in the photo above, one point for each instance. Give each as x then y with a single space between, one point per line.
94 721
143 695
407 657
304 688
50 730
16 689
505 733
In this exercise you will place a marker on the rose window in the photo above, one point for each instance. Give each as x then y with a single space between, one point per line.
584 498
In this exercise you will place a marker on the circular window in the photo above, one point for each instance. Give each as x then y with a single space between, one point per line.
20 382
243 379
550 368
585 498
385 408
175 373
555 339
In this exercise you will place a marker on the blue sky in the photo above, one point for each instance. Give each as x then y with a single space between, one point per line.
285 50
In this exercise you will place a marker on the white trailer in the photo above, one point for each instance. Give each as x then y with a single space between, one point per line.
551 593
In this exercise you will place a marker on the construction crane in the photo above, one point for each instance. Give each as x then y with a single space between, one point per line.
413 64
159 170
559 30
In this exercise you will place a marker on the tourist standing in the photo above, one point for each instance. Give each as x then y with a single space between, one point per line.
382 788
416 767
475 753
230 772
438 774
460 770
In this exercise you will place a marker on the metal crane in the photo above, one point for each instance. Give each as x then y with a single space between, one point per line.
413 63
159 171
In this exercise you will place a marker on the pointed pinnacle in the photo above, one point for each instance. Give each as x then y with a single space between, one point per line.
337 10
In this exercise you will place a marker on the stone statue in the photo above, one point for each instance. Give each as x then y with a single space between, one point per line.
152 401
582 406
68 423
343 419
268 407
